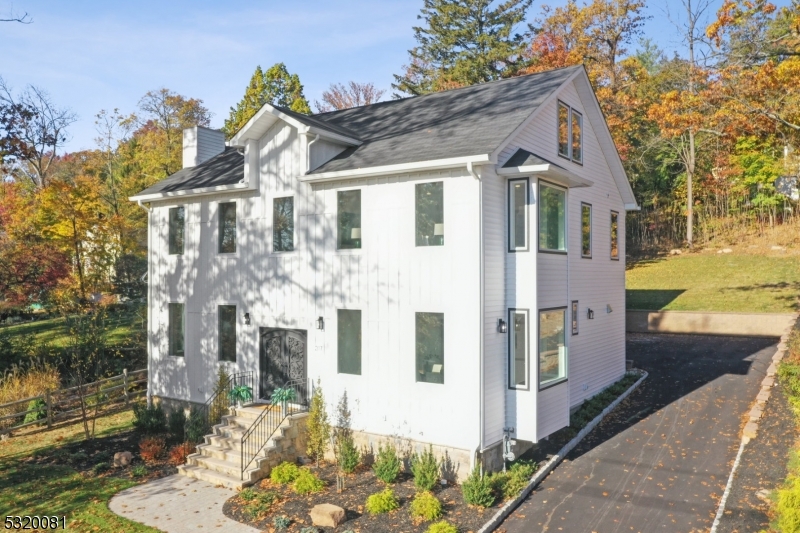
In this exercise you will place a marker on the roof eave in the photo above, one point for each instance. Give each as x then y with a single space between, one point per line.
438 164
269 115
192 193
552 172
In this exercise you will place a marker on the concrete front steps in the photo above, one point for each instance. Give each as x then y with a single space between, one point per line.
218 460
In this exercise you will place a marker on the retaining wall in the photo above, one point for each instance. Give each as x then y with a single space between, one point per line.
709 323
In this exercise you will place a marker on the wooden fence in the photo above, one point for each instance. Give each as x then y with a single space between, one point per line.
54 407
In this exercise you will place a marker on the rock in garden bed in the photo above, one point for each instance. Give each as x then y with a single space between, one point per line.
268 500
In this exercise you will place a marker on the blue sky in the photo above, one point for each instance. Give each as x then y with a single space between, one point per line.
93 55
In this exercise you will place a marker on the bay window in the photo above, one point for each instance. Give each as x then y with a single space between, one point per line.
552 218
518 215
552 347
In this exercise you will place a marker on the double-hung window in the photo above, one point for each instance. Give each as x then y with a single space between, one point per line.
175 329
586 230
570 133
518 349
348 219
349 339
177 225
552 218
552 346
518 215
283 224
614 235
226 316
430 214
227 228
430 347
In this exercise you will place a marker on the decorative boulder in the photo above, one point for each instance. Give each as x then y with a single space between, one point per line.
123 458
327 515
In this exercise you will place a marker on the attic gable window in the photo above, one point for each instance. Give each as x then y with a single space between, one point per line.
570 133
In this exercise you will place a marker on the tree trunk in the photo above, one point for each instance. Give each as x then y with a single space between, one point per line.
689 195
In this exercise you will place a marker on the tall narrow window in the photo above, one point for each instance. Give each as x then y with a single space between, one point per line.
177 223
226 315
227 228
563 130
430 213
552 218
518 215
577 137
430 347
283 224
614 235
574 317
348 217
518 349
349 330
552 347
586 230
175 329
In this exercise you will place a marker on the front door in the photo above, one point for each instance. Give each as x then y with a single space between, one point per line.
283 358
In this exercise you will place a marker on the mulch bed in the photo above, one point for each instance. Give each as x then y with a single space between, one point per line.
358 486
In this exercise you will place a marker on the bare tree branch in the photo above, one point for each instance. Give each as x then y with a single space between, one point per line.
354 94
25 18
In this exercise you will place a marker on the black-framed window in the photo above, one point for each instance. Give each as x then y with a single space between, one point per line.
283 224
429 340
574 317
177 230
349 341
226 316
227 228
348 219
570 133
586 230
176 329
614 235
552 218
518 354
429 213
552 346
518 200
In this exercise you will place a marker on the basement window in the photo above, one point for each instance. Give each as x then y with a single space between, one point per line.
430 347
283 224
177 224
552 347
349 339
227 228
348 219
430 214
176 329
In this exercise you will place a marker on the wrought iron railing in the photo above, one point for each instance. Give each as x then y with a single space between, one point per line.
203 417
264 427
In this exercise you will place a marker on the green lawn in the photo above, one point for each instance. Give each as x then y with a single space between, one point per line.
54 330
715 282
28 488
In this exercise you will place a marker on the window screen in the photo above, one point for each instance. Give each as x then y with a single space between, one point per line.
349 330
283 224
430 347
430 214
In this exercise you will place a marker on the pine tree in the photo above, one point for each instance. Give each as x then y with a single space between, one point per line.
275 86
464 42
318 427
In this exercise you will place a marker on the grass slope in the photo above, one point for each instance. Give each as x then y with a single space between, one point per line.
27 488
715 282
54 331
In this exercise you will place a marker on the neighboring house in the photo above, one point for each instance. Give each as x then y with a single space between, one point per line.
455 261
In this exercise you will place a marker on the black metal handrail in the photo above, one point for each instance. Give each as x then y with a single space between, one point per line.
203 417
264 427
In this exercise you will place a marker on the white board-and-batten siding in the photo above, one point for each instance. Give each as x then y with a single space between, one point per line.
389 280
596 356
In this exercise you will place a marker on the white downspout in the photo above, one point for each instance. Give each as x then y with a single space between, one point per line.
308 154
149 300
474 173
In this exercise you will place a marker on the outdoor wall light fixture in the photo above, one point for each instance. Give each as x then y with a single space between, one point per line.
608 309
590 314
320 323
502 327
247 319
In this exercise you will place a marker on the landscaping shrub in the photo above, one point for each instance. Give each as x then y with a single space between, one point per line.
99 468
151 448
281 522
39 414
349 456
307 482
309 529
426 469
196 426
149 420
247 494
260 503
78 457
442 527
426 506
177 425
508 484
284 473
179 453
595 405
478 490
787 505
317 426
387 464
382 502
139 471
19 383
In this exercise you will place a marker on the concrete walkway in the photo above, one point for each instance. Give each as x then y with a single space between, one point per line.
178 504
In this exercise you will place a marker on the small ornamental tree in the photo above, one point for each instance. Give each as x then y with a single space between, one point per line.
344 449
319 429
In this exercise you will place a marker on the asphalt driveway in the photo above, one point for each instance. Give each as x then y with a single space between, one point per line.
661 460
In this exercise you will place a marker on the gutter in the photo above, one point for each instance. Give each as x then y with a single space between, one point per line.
479 449
436 164
149 299
308 153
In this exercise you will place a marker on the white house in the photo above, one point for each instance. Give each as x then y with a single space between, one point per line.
454 261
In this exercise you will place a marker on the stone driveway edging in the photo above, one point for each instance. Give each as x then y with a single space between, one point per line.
750 430
548 467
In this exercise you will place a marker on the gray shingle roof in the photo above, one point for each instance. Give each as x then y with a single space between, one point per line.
226 168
